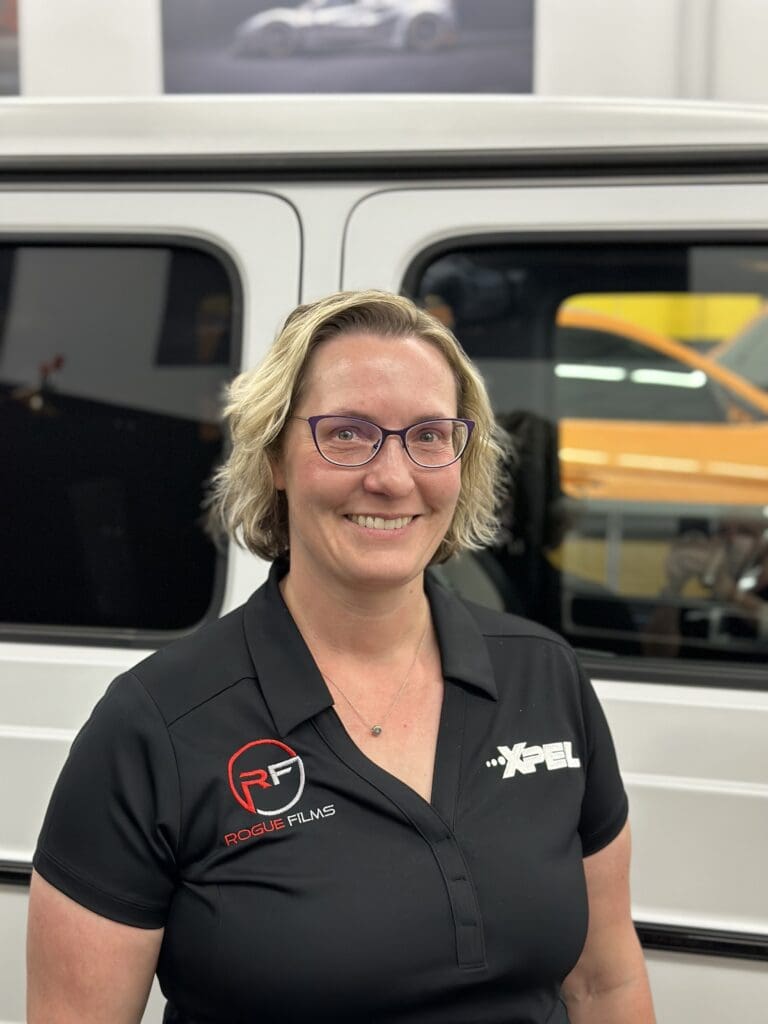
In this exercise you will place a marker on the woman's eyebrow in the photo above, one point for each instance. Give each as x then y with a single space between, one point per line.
366 416
349 412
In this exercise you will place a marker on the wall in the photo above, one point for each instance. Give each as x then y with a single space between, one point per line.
687 49
684 49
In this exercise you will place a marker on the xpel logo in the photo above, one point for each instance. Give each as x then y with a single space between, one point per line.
524 759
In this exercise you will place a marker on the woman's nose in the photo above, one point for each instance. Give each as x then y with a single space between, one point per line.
391 470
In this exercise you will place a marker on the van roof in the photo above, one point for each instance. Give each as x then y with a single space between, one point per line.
376 130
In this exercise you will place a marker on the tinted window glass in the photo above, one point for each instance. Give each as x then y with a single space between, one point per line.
112 360
639 524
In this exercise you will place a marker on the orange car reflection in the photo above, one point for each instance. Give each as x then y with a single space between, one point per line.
9 19
663 423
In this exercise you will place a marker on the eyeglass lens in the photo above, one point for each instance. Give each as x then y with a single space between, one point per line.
348 441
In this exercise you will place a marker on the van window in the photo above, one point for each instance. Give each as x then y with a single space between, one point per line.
639 522
112 362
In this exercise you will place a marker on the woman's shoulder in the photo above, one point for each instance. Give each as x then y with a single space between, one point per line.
194 668
505 624
510 646
528 642
486 606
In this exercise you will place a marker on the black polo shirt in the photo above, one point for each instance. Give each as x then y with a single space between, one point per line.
215 792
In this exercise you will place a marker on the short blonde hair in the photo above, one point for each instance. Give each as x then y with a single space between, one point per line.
244 499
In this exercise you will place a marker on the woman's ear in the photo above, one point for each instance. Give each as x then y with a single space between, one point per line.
278 476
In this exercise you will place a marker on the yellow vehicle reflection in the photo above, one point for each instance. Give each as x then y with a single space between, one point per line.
645 419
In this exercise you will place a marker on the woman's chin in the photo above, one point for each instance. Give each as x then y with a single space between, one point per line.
387 571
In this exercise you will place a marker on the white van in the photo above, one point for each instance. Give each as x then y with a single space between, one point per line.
150 249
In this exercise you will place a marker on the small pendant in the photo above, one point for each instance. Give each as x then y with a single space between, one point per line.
376 730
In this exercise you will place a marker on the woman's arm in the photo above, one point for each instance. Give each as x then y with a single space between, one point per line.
609 984
83 968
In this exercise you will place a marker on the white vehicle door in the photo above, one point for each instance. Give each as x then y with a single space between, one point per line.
656 567
122 315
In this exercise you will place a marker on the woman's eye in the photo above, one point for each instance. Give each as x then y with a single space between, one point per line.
428 436
345 435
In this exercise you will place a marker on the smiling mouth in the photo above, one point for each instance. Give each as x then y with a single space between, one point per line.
379 523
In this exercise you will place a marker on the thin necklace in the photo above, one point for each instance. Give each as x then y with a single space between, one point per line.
376 730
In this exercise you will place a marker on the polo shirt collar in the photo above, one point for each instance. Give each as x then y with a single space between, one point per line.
463 650
290 681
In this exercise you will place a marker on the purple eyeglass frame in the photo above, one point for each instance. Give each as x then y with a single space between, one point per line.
385 433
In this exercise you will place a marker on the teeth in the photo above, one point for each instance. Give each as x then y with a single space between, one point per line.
377 523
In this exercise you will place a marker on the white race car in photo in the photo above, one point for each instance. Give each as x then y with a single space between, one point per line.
419 25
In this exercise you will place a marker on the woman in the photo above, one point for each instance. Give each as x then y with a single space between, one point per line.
356 798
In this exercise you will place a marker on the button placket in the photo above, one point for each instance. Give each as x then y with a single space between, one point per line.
434 827
470 944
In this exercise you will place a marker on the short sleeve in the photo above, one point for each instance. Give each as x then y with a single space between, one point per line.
110 833
604 806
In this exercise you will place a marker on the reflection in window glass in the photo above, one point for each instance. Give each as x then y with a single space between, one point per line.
112 361
9 48
746 352
631 379
603 375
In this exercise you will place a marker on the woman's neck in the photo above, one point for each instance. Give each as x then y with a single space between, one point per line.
370 624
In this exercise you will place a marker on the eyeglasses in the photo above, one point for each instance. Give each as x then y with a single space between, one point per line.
350 441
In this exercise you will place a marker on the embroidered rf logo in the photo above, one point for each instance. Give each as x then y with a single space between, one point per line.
524 759
266 777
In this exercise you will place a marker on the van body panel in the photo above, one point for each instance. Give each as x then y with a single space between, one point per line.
360 130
